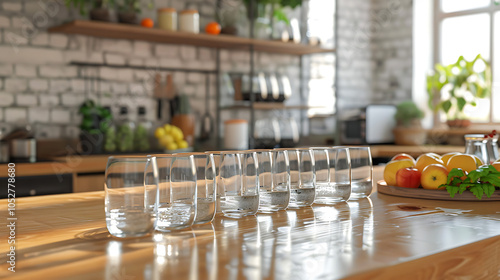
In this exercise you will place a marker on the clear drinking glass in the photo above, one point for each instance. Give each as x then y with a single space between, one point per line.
125 203
239 193
322 173
176 202
302 178
274 180
361 172
339 187
206 182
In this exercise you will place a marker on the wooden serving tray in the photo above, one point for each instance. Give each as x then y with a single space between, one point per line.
431 194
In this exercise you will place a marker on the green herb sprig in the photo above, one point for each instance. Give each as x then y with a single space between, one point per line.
481 181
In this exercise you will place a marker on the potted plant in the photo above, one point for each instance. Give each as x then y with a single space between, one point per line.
128 10
451 88
409 129
99 8
266 12
95 124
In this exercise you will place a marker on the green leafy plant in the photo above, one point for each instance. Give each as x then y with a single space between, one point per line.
95 119
482 181
278 6
408 111
464 80
84 6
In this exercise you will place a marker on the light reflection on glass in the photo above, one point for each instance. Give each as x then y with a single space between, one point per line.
171 251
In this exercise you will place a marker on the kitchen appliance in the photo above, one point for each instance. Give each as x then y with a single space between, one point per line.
265 87
22 144
372 124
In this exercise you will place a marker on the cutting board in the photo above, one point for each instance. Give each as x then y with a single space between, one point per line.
431 194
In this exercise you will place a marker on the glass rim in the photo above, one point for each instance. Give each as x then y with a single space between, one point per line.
130 157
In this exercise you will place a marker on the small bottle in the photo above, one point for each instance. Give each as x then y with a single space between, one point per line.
124 132
143 131
167 19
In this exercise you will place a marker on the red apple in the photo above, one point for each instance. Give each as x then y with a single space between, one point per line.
408 178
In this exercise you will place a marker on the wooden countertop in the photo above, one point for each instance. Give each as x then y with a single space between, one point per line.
97 163
385 237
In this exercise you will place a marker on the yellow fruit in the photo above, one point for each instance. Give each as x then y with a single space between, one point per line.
425 160
177 133
166 140
182 144
392 168
434 155
168 128
496 164
447 156
159 132
172 146
433 176
479 161
466 162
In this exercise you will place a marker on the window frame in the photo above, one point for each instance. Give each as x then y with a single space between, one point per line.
440 16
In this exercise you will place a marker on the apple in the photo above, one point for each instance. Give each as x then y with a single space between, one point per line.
408 178
433 176
392 168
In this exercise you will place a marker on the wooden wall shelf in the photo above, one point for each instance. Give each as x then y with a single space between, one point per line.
135 32
268 106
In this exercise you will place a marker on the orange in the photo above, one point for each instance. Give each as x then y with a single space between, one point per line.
393 167
466 162
426 160
402 156
212 28
447 156
433 176
496 165
148 23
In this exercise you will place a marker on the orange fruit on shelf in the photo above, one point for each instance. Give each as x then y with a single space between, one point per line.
427 159
212 28
447 156
402 156
147 22
392 168
466 162
433 176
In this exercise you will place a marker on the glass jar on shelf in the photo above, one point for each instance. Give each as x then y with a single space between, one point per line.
143 131
124 132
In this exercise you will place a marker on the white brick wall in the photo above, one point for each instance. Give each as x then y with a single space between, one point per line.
16 84
6 99
13 6
26 71
60 116
38 115
14 115
27 99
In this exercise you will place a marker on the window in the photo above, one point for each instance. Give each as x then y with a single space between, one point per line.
470 28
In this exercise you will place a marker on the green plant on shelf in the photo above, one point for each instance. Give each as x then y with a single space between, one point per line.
407 112
277 7
84 6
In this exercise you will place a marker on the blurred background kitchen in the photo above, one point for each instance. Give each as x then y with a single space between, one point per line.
80 80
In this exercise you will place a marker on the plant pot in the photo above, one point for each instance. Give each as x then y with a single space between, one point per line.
410 136
100 14
127 17
457 123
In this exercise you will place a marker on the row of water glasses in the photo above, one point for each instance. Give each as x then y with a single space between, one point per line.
163 193
172 192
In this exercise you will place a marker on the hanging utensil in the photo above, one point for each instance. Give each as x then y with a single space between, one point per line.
206 119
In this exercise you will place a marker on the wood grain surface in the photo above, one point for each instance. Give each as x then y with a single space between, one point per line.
432 194
384 237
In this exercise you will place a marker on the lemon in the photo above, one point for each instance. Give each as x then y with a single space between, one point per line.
168 128
159 132
172 146
182 144
166 139
177 133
